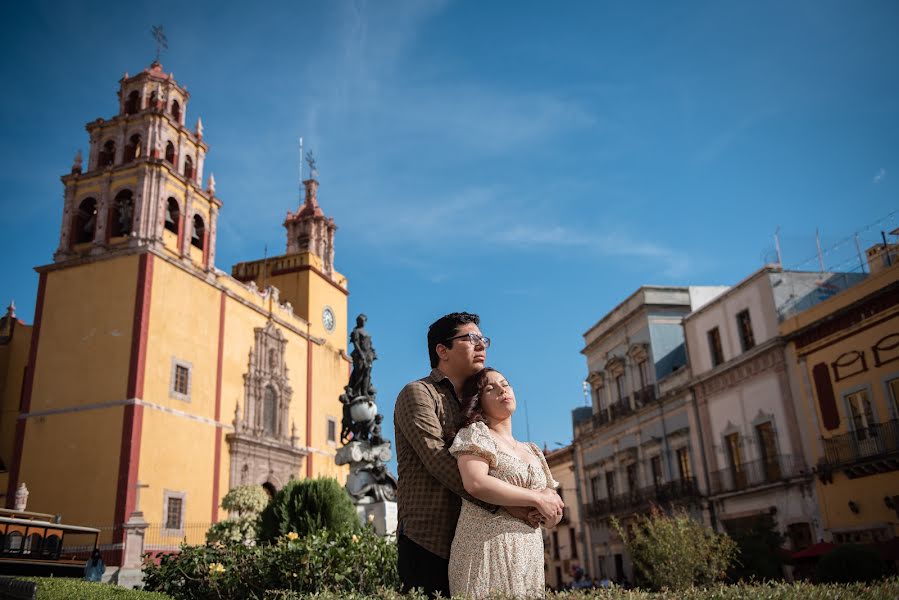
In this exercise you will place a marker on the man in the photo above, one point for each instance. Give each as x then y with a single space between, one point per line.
430 486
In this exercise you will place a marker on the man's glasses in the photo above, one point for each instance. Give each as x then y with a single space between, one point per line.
474 338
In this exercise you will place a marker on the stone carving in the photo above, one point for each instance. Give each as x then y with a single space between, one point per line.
365 449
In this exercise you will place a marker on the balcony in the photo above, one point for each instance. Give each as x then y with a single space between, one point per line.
756 473
679 491
865 451
644 396
619 409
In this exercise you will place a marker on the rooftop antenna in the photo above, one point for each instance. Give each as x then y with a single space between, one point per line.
777 246
301 169
162 42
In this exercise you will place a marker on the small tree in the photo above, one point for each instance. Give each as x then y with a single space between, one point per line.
245 503
759 548
675 552
307 506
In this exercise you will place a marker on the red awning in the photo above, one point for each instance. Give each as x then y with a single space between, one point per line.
815 550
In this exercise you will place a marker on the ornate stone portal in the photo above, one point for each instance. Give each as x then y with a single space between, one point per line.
263 447
371 485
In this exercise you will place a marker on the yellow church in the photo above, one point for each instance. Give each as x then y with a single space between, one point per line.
151 380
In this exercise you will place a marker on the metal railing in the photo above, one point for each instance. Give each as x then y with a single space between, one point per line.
868 442
675 491
161 539
757 472
644 396
619 409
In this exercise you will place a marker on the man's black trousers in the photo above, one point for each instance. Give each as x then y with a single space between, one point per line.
419 568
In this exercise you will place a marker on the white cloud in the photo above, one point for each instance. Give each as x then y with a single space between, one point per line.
880 175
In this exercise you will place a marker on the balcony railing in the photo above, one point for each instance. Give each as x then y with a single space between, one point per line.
756 473
619 409
676 491
865 445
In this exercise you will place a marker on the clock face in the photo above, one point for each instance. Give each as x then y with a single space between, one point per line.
328 318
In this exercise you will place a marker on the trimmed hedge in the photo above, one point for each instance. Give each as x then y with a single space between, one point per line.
62 588
883 590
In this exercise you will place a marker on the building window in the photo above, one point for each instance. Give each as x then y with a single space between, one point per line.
862 414
120 218
683 464
768 451
107 154
744 325
332 430
621 387
181 372
643 371
176 111
85 222
556 544
132 104
735 460
601 563
800 535
631 471
894 393
572 539
133 148
170 153
188 167
173 510
595 487
610 484
715 350
270 411
655 464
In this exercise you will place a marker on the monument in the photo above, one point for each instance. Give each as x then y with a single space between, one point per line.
370 484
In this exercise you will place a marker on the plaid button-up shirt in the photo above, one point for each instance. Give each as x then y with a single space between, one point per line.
430 486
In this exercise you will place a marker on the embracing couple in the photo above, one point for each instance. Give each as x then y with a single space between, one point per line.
471 498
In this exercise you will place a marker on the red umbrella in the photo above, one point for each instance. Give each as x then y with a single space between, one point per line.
815 550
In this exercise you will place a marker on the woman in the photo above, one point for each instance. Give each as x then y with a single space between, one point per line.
94 569
494 552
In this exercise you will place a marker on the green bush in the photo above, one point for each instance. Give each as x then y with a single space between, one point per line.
61 588
342 561
675 552
759 555
246 502
306 506
849 562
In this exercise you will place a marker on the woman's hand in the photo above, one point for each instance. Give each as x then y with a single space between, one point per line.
550 505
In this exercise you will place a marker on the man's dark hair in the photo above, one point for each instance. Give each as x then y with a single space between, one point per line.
443 329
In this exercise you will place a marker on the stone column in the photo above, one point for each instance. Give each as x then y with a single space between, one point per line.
213 220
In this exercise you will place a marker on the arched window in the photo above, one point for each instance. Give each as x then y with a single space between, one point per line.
107 155
154 100
172 215
270 411
170 152
133 148
176 111
132 104
85 222
269 488
122 213
14 541
33 546
188 167
52 546
199 232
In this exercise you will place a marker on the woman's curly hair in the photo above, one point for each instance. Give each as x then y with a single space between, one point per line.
472 412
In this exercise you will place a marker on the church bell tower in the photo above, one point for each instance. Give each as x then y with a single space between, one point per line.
141 185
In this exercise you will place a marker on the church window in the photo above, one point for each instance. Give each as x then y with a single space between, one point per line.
199 232
133 148
172 215
176 110
154 98
270 411
85 221
170 153
107 154
132 105
173 509
181 375
332 430
188 167
272 360
122 213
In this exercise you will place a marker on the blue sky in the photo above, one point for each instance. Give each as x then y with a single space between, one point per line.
532 162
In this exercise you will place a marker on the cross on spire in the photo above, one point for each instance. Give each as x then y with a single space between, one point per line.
162 42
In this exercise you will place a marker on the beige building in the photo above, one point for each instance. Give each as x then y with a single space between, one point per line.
563 546
752 438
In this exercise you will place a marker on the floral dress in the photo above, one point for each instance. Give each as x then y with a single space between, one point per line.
495 552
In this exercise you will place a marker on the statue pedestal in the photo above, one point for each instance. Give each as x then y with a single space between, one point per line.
382 514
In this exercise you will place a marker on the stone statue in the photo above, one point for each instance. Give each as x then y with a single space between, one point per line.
365 450
363 356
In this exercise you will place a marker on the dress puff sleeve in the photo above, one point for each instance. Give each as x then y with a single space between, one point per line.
550 482
475 439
